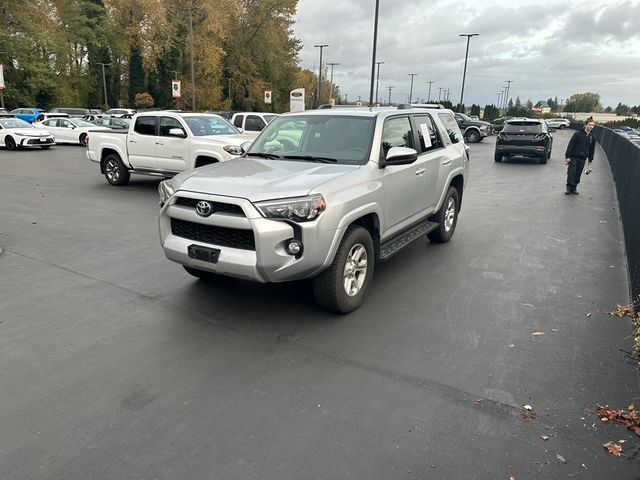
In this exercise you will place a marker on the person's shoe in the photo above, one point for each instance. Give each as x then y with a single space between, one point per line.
575 192
567 191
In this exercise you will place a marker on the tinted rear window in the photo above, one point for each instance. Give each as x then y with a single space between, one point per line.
523 127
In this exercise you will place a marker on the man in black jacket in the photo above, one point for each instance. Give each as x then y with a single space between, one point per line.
580 149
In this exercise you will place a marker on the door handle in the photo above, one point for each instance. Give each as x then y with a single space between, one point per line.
446 163
159 143
421 171
132 140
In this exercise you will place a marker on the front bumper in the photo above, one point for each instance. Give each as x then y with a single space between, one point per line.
251 247
37 141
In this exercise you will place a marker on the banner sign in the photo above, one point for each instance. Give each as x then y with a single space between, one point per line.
1 77
296 100
267 96
175 88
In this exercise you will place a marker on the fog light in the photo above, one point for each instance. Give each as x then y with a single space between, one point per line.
294 247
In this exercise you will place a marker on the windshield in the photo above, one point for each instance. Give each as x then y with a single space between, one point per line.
14 123
335 139
465 117
82 123
210 125
523 127
268 118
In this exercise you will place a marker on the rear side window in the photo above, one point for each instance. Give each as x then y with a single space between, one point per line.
145 125
523 127
254 123
238 121
397 132
450 124
427 133
167 123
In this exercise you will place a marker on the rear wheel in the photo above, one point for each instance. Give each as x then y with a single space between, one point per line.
543 158
83 139
497 157
45 147
114 170
447 217
343 286
10 143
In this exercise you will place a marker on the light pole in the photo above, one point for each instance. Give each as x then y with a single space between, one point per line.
193 80
429 94
2 88
439 92
104 83
175 77
389 88
509 82
373 57
411 89
466 55
317 102
378 80
333 64
499 99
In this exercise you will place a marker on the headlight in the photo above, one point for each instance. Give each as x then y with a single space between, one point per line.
301 209
483 127
233 149
165 190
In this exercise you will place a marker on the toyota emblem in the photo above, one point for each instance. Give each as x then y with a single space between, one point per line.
204 209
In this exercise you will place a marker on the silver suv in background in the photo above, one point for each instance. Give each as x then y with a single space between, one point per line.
322 195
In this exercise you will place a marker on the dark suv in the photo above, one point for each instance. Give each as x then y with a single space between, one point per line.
529 138
473 130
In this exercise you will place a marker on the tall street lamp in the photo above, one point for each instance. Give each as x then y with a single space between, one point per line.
373 57
317 102
429 94
508 82
411 89
193 78
2 87
466 55
333 64
390 88
104 82
378 80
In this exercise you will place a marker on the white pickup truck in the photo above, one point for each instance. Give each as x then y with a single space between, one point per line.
164 144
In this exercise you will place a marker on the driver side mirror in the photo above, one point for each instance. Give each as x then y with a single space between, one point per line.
399 156
244 146
177 132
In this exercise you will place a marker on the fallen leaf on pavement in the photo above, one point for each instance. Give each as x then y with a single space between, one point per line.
561 458
544 437
527 407
613 448
537 334
629 418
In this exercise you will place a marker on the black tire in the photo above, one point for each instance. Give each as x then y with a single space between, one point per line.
45 147
472 136
202 275
10 143
447 217
330 286
562 127
549 154
497 157
83 139
114 170
542 159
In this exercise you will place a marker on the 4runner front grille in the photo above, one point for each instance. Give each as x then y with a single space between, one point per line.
224 237
218 207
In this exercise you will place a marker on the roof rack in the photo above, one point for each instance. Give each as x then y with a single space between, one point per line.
404 106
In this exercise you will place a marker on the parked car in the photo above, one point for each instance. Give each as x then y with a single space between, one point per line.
70 130
529 138
112 122
29 115
72 112
473 130
252 123
120 112
354 189
93 117
5 113
163 144
559 123
16 133
47 115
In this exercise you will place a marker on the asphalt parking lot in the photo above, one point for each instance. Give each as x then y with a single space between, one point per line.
116 364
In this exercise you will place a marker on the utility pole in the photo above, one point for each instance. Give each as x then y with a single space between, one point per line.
175 77
333 64
2 86
193 80
377 81
390 88
317 99
429 94
466 55
499 99
509 82
373 59
411 89
104 83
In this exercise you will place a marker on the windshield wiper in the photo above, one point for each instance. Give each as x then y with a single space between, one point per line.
311 158
270 156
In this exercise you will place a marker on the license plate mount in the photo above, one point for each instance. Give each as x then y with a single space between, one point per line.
205 254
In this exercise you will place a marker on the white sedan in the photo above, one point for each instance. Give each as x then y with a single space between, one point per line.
16 133
70 130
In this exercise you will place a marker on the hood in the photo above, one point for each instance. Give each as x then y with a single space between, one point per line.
259 179
233 139
31 132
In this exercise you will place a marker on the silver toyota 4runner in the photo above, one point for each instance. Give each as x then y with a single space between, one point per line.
321 194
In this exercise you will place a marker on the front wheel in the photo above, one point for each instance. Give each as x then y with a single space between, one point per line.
343 286
447 217
10 143
114 170
497 157
472 136
83 139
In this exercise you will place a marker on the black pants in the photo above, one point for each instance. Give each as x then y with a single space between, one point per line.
574 172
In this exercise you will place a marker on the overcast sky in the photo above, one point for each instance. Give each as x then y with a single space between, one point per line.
548 48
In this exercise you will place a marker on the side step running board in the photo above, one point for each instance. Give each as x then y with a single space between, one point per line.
389 248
